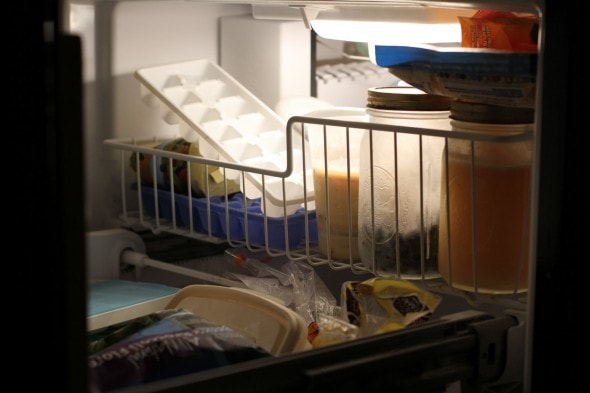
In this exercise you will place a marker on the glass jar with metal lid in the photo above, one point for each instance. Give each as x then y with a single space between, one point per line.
399 183
484 220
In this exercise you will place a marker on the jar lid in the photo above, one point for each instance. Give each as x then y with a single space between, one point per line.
406 98
475 112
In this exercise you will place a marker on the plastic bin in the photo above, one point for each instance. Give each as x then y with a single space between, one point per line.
274 327
243 215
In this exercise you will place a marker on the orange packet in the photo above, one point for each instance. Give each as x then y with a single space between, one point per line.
500 30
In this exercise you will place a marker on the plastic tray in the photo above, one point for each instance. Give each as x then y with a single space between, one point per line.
212 215
231 124
274 327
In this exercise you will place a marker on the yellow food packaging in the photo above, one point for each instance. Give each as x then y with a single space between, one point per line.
380 304
202 176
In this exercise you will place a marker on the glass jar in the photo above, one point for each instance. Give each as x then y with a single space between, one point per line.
485 204
400 184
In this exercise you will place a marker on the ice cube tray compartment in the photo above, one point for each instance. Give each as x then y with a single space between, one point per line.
231 124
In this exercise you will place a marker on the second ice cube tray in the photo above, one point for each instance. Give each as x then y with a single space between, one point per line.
232 125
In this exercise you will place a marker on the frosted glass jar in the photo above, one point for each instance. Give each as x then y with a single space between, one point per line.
399 184
484 224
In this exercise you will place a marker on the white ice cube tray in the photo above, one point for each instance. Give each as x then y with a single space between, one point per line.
230 124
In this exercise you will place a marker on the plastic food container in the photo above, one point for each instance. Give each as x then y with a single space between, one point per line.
274 327
335 177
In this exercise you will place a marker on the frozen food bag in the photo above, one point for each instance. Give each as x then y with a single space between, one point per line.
381 304
484 75
101 338
180 343
500 30
202 176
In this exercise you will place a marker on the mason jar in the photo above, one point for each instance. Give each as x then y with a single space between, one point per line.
485 199
400 183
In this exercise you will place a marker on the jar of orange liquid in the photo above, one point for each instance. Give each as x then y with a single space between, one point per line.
485 199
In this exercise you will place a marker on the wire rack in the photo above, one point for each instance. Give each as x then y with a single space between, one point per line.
161 204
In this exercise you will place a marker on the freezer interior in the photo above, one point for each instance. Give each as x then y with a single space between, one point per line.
202 122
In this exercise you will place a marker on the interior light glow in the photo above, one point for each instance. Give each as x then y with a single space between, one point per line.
387 33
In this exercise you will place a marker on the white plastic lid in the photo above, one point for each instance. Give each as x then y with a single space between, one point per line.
276 328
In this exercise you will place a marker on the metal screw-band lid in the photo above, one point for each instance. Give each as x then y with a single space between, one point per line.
491 114
406 98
